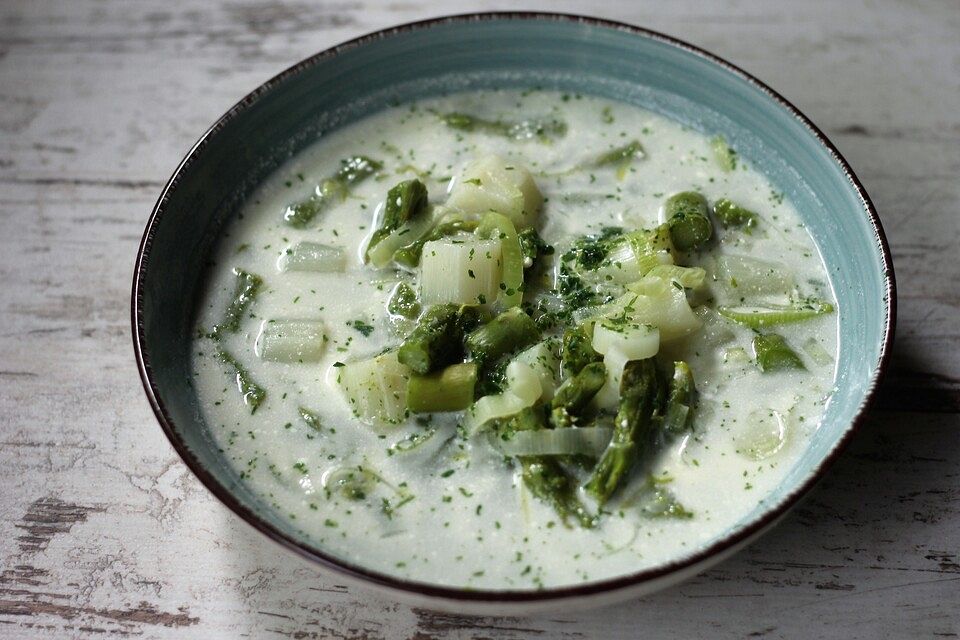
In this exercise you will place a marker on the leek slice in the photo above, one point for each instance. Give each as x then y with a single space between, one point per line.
628 261
657 299
736 356
312 256
609 395
291 340
449 224
758 317
763 436
816 351
461 270
494 184
376 388
523 390
687 277
381 254
634 340
542 358
497 226
750 276
492 407
620 258
577 441
651 300
662 304
523 382
716 329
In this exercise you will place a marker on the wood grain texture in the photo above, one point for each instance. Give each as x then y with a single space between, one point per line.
103 532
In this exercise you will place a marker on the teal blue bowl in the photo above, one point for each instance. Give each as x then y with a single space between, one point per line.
563 52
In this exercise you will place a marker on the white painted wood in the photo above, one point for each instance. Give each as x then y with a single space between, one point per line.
104 531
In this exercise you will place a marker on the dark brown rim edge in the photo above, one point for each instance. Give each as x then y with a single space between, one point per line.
451 593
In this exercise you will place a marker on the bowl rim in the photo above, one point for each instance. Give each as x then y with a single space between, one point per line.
445 593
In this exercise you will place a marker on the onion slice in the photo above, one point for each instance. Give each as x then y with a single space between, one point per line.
587 441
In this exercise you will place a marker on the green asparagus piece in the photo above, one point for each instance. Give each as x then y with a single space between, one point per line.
543 130
621 157
352 170
771 316
469 318
253 394
733 215
403 302
528 419
576 350
405 201
299 214
409 256
633 426
450 389
433 343
247 287
573 395
682 395
547 480
544 476
686 215
774 354
438 339
510 331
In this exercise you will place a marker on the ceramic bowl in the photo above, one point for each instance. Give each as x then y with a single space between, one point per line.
562 52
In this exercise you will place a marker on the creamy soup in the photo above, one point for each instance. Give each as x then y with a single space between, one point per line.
576 339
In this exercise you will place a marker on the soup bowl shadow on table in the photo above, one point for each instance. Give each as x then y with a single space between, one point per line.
469 52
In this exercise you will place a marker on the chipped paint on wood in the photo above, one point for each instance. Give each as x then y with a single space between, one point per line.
46 518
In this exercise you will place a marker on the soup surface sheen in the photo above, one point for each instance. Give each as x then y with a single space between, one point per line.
453 510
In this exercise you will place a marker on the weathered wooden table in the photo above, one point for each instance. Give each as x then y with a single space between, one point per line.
104 532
